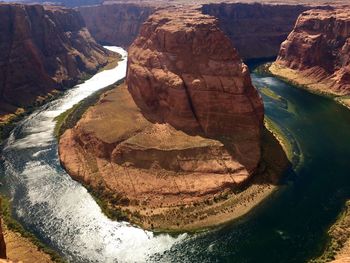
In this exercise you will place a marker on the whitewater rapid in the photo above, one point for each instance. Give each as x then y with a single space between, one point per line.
59 210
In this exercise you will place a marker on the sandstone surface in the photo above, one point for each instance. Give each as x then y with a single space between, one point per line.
42 49
182 70
185 129
316 53
116 24
256 30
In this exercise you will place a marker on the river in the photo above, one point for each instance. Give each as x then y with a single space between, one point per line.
288 227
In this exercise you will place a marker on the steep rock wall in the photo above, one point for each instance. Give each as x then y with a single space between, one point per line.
42 49
116 24
317 51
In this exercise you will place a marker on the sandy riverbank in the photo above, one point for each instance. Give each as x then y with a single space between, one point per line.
22 249
305 81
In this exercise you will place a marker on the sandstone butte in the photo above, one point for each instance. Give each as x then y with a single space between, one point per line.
169 147
42 49
317 53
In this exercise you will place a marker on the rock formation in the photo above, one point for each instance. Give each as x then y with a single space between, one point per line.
317 52
116 24
185 72
256 30
42 49
185 129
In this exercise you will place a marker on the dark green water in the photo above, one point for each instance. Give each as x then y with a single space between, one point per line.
292 225
289 227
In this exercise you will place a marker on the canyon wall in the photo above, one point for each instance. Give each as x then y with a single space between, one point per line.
257 30
317 52
42 49
116 24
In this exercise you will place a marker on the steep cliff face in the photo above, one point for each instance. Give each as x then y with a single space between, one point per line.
257 30
42 49
184 71
185 129
317 52
116 24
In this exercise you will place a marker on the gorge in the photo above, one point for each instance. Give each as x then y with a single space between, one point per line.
166 121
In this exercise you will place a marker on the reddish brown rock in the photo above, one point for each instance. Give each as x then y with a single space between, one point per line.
186 129
116 24
317 52
184 71
42 49
256 30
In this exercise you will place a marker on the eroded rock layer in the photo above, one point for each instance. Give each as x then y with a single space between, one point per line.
116 24
42 49
185 129
256 30
184 71
317 52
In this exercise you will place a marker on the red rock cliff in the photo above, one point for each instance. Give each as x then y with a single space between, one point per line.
116 24
184 71
256 30
41 49
319 49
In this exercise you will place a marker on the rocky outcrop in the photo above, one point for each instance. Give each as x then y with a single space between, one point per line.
256 30
317 52
184 71
42 49
116 24
186 128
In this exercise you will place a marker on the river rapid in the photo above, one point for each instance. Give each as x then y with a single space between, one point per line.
288 227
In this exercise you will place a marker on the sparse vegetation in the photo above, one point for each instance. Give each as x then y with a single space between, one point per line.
339 234
15 226
70 117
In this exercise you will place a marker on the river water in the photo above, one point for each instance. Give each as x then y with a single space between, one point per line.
288 227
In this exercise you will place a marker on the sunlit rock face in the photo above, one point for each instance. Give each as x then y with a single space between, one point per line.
319 48
42 49
184 128
184 71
